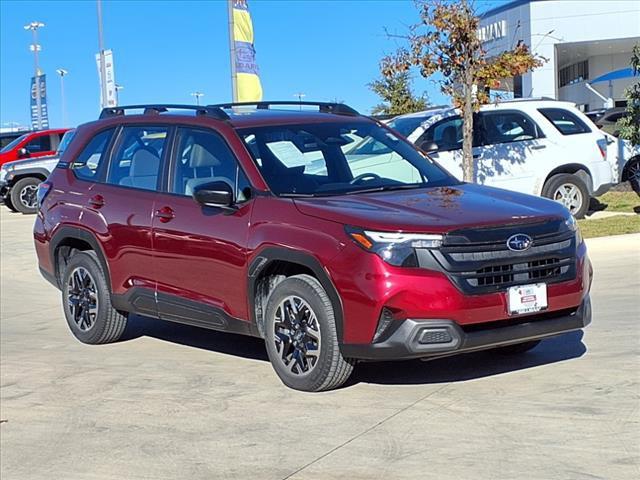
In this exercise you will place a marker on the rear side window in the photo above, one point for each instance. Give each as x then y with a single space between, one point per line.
136 161
565 122
86 164
506 127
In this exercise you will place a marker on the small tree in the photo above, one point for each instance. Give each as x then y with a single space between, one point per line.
397 97
446 41
630 123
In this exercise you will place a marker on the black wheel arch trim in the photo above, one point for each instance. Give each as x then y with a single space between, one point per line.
39 173
77 233
268 255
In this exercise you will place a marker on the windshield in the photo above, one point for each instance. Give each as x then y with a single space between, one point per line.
12 145
64 143
320 159
406 125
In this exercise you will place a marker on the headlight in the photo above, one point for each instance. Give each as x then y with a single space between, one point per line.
394 248
572 225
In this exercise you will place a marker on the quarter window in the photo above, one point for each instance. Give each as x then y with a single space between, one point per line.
506 127
565 122
86 164
136 163
204 157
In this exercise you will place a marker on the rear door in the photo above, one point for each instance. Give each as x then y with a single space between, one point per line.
200 251
118 204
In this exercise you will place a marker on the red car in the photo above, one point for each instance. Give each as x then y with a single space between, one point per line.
261 222
41 143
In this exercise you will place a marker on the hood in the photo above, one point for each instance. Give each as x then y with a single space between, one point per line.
433 210
29 162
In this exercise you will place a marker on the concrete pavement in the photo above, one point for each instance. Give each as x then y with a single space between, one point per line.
175 402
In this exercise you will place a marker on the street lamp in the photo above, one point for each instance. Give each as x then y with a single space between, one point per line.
197 95
35 48
62 72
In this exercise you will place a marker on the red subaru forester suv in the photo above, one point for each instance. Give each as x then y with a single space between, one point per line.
323 232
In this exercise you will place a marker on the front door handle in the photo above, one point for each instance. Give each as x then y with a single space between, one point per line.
97 201
538 147
476 155
165 214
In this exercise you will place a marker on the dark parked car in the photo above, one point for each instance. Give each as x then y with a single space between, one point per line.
214 220
609 119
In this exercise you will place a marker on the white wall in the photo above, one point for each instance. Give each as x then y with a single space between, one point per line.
544 24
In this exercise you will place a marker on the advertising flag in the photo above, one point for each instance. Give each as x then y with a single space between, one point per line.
111 80
248 87
44 114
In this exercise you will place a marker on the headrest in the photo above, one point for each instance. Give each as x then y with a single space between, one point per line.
200 157
144 163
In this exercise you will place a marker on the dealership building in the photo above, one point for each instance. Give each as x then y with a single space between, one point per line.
587 45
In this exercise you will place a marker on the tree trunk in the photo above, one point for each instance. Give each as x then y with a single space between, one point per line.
467 128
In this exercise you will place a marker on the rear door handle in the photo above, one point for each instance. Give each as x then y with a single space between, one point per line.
538 147
165 214
97 201
477 155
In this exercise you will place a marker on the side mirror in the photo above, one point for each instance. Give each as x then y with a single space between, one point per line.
23 153
428 147
214 194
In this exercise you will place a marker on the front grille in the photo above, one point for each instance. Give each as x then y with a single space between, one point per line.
489 266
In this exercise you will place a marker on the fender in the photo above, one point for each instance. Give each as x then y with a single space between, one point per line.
577 169
268 255
16 175
78 233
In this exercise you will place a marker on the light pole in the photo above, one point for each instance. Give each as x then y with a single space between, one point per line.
103 73
197 95
35 48
62 72
118 88
300 96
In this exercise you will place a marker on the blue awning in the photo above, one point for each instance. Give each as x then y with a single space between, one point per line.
614 75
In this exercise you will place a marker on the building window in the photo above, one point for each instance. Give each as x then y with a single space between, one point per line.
575 73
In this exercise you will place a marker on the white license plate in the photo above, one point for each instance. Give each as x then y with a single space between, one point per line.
527 298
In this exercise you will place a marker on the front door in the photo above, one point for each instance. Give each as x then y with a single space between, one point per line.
200 251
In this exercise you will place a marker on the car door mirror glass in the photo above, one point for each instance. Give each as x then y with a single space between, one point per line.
429 147
214 194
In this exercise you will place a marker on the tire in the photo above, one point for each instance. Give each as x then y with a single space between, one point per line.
23 195
312 329
633 175
569 190
100 324
518 348
8 203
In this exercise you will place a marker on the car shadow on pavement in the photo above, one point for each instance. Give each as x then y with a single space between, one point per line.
409 372
471 365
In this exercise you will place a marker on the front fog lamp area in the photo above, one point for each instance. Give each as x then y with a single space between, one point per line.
572 225
394 248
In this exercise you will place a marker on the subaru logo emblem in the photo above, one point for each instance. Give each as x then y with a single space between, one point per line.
519 242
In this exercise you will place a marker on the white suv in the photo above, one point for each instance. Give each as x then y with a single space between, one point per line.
540 147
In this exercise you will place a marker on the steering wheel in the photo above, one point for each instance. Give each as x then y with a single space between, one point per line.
372 176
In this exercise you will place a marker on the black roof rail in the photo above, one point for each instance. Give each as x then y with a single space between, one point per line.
156 109
324 107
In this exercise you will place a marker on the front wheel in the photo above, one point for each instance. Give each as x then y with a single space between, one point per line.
634 176
570 191
24 195
301 336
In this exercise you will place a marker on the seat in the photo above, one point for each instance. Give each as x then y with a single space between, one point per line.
204 163
143 172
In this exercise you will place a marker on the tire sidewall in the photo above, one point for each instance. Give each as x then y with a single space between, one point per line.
303 289
16 192
554 182
89 262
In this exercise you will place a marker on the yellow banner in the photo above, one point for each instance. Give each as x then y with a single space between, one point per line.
248 84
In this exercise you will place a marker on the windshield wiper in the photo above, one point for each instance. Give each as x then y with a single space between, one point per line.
296 195
386 188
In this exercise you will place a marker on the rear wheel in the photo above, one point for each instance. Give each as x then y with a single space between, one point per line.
87 301
24 195
518 348
569 190
633 174
301 336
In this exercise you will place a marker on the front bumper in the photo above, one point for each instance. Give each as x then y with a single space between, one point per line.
435 338
4 190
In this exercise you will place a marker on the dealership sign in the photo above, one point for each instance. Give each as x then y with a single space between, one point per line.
44 115
493 31
110 80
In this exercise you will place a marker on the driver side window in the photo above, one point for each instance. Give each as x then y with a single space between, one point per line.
446 134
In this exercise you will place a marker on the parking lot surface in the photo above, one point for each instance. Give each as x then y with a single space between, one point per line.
176 402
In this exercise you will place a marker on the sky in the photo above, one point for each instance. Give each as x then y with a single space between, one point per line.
165 50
